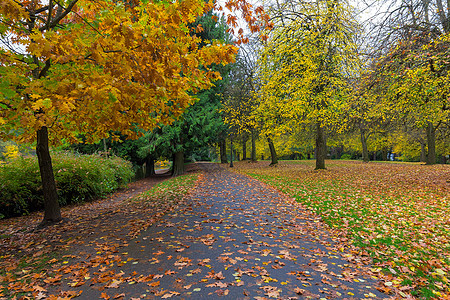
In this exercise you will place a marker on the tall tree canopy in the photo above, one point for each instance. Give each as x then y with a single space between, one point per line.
305 69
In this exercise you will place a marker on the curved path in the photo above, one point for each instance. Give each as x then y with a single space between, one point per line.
235 238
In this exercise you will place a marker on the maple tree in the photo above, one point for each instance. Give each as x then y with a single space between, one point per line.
304 70
82 67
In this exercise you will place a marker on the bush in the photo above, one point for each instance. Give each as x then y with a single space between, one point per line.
346 156
78 178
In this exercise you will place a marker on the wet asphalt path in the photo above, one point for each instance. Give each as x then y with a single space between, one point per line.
235 238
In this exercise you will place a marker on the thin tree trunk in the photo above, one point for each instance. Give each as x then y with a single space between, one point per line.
244 148
52 211
273 153
178 163
384 153
253 146
423 152
223 152
231 153
321 147
431 141
149 166
365 152
105 148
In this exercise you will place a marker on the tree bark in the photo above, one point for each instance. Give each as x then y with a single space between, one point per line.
384 153
149 166
178 163
105 148
223 152
52 211
431 141
273 153
231 153
365 152
253 158
244 148
321 147
423 152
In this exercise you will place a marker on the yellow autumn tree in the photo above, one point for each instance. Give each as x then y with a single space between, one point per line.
306 67
73 67
417 70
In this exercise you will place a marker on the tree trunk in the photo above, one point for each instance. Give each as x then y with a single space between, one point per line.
223 152
273 153
105 148
231 153
244 148
384 153
365 152
178 163
149 166
321 147
423 152
253 146
52 211
431 141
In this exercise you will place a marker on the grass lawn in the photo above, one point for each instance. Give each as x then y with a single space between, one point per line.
397 213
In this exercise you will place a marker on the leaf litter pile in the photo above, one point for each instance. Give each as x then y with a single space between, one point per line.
399 214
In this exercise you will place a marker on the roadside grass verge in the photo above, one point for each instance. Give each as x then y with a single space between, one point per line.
169 190
396 213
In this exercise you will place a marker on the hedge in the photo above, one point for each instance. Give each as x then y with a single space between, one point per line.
79 178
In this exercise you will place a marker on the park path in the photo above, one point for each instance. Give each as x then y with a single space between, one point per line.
233 238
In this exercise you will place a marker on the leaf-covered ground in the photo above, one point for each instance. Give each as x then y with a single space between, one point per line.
231 237
33 263
399 214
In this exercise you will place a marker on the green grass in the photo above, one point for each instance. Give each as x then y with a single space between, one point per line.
29 271
398 213
170 190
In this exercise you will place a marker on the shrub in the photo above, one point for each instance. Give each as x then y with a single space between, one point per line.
78 178
346 156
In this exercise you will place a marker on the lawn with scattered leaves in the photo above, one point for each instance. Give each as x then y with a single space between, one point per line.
397 213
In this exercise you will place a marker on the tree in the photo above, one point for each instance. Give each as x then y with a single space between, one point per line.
82 67
239 100
201 125
416 63
305 69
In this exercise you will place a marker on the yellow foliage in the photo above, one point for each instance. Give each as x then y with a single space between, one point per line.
11 151
110 67
304 70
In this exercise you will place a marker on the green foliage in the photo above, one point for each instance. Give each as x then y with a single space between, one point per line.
78 178
201 125
401 223
170 190
346 156
125 148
